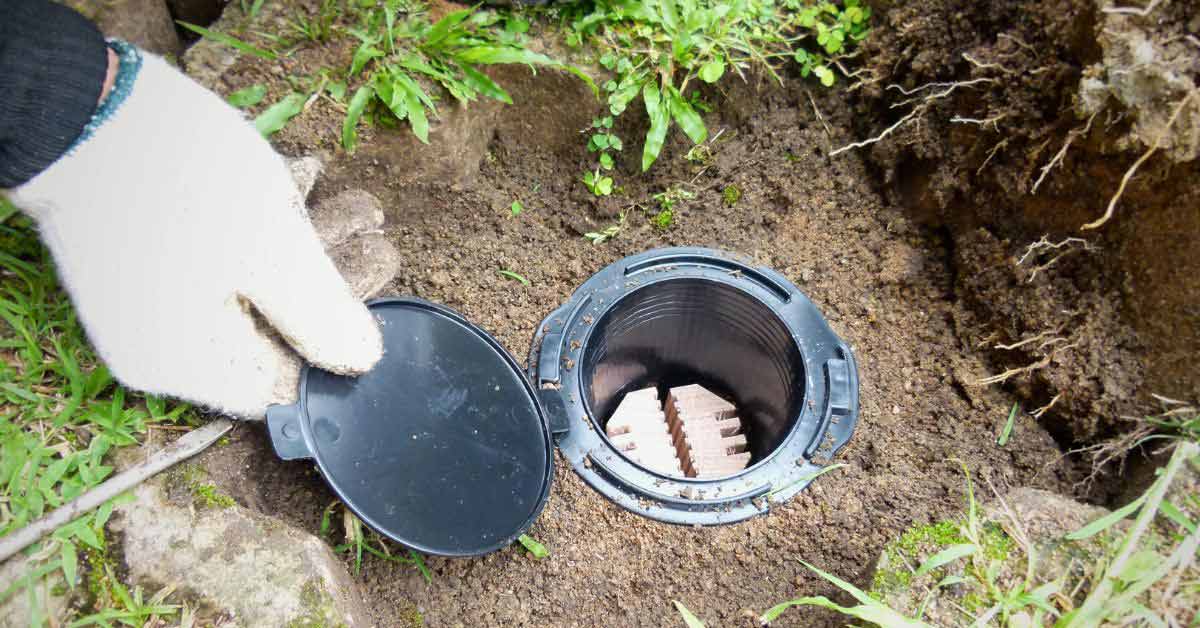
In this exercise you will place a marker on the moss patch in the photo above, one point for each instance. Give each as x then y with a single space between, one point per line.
191 481
318 610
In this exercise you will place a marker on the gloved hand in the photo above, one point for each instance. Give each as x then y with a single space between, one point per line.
170 225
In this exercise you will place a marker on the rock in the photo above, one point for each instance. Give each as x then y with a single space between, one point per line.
1146 71
367 262
350 213
146 23
252 568
52 600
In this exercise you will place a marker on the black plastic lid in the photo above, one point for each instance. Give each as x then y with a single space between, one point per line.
442 447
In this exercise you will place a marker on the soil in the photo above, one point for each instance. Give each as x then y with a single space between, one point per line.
911 261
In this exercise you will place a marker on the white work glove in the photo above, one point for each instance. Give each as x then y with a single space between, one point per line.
169 226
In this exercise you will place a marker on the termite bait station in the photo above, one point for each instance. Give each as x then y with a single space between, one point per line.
447 445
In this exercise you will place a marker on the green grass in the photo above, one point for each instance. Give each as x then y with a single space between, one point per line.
361 541
61 415
992 573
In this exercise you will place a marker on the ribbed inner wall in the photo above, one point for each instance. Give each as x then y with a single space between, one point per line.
696 331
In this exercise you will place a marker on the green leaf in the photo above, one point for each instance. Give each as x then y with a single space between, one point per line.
70 563
687 118
659 122
606 161
537 549
689 619
232 42
439 31
875 613
278 114
826 76
604 186
415 98
491 55
945 557
248 96
711 72
511 275
366 51
517 207
483 84
1008 426
1107 521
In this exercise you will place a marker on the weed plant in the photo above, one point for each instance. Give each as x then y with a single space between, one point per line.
659 50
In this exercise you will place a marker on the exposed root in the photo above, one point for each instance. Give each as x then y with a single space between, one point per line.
1064 247
1018 41
995 149
1028 368
1142 12
1108 453
1062 152
988 66
1112 203
1037 414
938 92
821 118
1046 337
983 122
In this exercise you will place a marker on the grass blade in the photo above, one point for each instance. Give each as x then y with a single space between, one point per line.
689 618
1107 521
278 114
1008 426
945 557
511 275
232 42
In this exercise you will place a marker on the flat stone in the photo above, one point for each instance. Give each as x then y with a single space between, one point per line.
350 213
367 262
252 568
145 23
48 594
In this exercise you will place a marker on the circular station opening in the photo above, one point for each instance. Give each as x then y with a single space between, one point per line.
677 335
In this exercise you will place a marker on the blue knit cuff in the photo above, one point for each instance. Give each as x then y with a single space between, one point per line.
130 63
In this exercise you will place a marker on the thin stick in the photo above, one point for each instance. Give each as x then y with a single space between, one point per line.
187 446
1112 203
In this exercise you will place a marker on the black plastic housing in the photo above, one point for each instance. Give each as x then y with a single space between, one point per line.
678 316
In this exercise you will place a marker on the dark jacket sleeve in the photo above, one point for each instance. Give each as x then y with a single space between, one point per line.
52 67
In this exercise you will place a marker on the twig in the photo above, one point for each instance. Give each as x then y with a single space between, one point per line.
1058 157
187 446
1112 203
